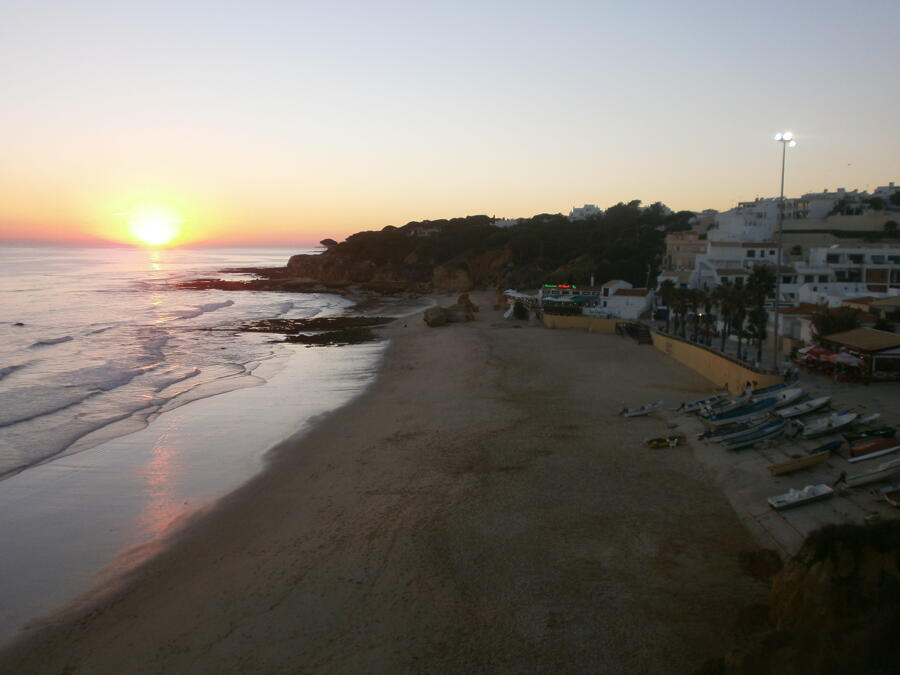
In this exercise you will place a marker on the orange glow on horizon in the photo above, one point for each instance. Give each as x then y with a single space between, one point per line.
154 225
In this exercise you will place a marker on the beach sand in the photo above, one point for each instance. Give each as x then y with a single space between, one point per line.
481 508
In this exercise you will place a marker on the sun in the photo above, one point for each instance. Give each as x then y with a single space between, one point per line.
154 225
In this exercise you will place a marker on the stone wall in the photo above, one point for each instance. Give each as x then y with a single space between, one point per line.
591 324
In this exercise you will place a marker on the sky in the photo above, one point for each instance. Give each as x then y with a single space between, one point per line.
282 123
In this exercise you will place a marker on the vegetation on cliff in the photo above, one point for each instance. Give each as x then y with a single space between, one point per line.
626 242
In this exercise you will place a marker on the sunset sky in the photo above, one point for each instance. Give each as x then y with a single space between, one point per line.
285 122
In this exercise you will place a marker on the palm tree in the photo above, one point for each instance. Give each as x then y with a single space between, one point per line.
760 285
722 297
679 306
666 291
739 313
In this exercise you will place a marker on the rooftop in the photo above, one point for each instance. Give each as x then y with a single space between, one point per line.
613 282
866 339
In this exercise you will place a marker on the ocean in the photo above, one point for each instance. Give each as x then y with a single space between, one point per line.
127 404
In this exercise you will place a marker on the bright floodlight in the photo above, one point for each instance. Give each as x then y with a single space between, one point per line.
787 135
778 137
792 144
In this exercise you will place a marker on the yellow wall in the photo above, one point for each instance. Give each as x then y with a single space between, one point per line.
589 323
710 365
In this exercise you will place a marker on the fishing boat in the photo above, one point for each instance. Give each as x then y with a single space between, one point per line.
727 431
877 432
883 472
872 447
880 492
768 391
812 458
803 408
743 413
867 419
641 410
786 397
665 441
766 432
725 405
795 497
826 424
696 406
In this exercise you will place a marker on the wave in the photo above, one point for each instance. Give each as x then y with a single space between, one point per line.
51 341
201 309
6 370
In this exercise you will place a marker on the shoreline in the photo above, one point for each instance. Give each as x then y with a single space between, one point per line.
494 513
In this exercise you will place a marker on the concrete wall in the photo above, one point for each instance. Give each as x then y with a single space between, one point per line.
720 370
589 323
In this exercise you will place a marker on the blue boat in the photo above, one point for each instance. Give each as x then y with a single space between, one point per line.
765 432
744 412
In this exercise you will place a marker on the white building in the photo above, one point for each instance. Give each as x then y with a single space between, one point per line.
584 212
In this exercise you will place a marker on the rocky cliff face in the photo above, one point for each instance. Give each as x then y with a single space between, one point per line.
834 607
458 275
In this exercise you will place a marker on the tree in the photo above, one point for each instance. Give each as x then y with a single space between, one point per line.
721 298
890 226
666 291
680 299
876 203
760 286
835 320
894 199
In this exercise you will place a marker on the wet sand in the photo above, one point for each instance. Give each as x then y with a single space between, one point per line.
481 508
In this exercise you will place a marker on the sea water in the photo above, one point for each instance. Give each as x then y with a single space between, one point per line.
126 404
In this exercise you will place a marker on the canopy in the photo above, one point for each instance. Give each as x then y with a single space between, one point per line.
845 359
816 353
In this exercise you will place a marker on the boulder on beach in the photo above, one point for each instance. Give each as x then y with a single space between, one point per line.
435 316
465 301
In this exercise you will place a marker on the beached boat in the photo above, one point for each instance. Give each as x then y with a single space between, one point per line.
665 441
787 397
893 497
727 431
883 472
878 432
726 404
696 406
803 408
872 447
743 413
766 432
641 410
880 492
826 424
768 391
795 497
867 419
812 458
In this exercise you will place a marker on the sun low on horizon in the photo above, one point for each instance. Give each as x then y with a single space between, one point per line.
153 225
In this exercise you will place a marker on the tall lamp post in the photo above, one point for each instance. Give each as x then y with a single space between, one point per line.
787 141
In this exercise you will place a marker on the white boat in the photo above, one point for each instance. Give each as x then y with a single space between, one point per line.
883 472
695 406
788 396
736 429
826 424
723 406
803 408
766 432
795 497
641 410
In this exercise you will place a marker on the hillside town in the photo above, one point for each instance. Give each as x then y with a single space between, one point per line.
832 262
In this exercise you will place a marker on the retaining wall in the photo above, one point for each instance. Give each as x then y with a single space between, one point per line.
591 324
720 369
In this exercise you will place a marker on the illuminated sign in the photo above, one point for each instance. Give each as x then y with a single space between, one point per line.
560 286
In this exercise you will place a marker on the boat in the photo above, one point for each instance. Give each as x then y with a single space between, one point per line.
893 497
788 396
883 472
727 431
665 441
641 410
867 419
723 405
767 391
803 408
696 406
877 432
826 424
872 447
766 432
743 413
812 458
880 492
795 497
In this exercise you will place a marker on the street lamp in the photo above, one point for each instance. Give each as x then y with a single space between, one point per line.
786 139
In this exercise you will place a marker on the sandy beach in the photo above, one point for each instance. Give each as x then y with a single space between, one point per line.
481 508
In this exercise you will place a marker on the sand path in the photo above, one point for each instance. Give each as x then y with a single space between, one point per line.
481 508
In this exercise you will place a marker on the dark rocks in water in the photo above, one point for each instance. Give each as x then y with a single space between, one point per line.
435 316
18 323
330 323
345 336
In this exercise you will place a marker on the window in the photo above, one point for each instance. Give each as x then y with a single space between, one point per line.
849 275
809 278
856 258
772 252
832 258
878 260
894 259
751 253
823 278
